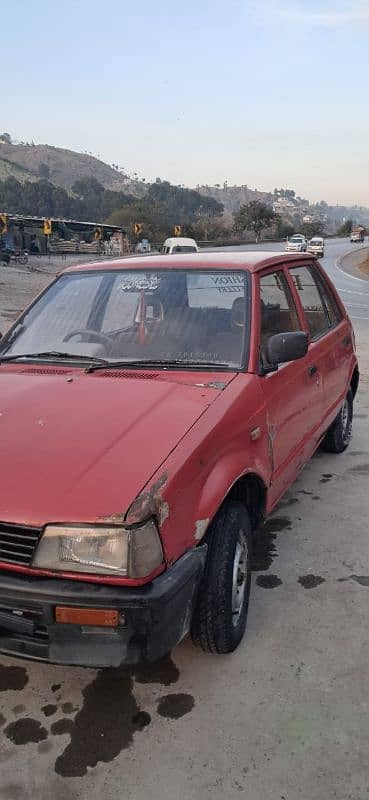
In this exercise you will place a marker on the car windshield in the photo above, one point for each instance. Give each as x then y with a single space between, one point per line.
296 239
124 315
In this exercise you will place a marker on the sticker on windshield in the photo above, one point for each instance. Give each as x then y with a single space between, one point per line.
205 290
137 283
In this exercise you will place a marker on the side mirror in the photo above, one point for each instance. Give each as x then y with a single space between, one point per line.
283 347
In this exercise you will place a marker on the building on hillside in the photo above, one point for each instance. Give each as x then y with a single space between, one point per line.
284 206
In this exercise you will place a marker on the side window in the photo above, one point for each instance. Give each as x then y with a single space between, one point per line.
335 314
278 311
311 300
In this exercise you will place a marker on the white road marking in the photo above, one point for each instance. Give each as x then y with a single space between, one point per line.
357 305
347 274
350 291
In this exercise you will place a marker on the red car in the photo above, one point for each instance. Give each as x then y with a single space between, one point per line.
152 412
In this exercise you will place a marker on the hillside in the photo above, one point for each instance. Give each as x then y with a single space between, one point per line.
64 167
232 197
9 169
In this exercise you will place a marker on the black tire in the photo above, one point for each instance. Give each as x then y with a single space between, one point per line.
338 436
215 627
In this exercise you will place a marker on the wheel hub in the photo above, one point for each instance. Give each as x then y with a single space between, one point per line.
346 421
239 577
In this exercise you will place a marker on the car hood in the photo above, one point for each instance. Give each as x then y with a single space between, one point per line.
78 448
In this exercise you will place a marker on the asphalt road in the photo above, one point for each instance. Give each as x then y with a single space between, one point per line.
283 718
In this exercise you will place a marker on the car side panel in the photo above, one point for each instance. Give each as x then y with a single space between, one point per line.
230 440
294 402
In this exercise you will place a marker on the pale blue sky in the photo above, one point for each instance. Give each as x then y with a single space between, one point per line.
269 93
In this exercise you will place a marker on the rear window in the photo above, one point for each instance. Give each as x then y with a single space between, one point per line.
316 313
334 311
278 311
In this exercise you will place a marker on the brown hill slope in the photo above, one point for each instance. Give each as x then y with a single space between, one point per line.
65 166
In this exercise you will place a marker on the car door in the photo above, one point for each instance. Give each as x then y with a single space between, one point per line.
330 336
293 392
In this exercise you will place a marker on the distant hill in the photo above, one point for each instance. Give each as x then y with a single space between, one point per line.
63 167
8 169
232 197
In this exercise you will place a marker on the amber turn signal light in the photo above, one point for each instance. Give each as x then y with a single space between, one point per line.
108 618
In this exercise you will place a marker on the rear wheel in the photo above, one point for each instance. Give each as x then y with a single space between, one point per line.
220 615
338 436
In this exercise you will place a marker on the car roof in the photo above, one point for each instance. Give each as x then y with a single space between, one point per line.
252 261
179 240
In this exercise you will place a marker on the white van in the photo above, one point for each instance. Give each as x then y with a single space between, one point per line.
179 244
316 246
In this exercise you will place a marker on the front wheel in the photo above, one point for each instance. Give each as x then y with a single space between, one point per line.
220 615
338 436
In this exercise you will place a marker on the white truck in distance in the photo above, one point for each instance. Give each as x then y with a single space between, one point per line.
357 234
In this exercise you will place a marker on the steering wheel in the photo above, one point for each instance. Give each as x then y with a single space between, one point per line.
92 336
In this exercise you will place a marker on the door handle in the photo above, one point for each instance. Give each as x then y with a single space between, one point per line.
312 370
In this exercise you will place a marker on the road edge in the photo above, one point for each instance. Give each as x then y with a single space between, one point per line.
353 270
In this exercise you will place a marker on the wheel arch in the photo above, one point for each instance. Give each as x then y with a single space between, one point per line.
354 382
250 490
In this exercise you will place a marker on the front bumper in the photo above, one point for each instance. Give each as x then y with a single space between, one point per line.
154 617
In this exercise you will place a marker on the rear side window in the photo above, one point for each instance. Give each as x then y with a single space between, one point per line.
278 310
334 312
316 313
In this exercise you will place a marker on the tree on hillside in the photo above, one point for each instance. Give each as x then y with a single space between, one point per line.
44 171
345 228
310 229
255 216
205 229
180 205
5 137
95 202
284 228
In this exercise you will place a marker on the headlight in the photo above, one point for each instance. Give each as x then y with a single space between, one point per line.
105 551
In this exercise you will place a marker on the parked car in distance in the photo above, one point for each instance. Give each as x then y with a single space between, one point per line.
143 246
179 244
296 244
154 412
316 246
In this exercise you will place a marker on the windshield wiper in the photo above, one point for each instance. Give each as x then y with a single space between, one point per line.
55 354
159 362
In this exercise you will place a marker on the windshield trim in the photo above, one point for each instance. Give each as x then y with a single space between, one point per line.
6 340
